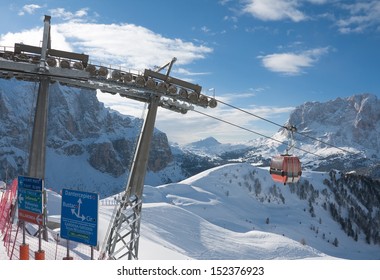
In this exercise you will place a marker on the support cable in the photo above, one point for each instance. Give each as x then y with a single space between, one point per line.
252 131
285 127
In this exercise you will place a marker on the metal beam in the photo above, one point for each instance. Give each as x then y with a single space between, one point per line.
37 152
123 229
19 48
140 162
171 80
30 68
46 43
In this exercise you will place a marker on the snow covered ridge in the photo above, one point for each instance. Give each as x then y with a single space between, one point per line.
236 212
88 146
352 124
243 200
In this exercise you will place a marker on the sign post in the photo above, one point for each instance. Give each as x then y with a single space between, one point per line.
31 206
79 216
30 200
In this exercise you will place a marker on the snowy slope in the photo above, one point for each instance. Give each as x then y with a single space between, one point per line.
226 197
235 212
229 212
187 233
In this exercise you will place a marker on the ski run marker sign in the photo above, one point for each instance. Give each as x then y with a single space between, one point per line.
79 216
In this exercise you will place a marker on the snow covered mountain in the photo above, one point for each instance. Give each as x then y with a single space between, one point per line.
352 123
88 146
229 211
210 147
86 138
339 134
321 211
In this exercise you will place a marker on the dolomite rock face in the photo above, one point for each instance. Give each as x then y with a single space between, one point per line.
91 147
350 122
79 126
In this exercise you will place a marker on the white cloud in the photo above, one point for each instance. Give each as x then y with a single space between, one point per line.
292 63
362 16
127 45
354 17
275 9
231 18
319 2
29 9
186 72
124 106
237 97
271 112
34 37
224 2
62 13
205 29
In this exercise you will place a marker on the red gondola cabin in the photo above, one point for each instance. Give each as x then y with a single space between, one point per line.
285 169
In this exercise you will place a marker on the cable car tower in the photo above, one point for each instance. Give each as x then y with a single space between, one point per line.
46 65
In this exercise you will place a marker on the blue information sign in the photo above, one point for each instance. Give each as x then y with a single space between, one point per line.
30 200
79 216
29 183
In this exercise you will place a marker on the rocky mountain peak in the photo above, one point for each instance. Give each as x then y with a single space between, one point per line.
345 122
205 143
81 131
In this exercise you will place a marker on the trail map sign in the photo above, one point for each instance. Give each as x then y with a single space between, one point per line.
79 216
30 200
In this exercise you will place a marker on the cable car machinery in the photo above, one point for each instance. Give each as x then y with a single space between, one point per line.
46 65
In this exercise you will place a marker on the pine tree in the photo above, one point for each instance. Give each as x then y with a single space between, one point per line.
335 242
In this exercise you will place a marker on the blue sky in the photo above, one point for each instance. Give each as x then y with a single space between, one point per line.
265 56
